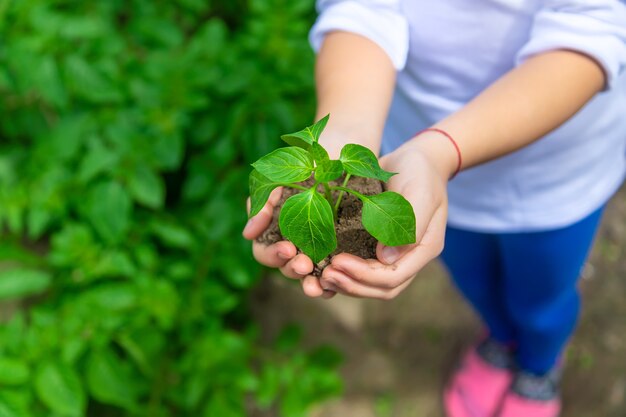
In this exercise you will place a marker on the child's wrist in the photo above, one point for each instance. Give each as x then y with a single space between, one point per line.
438 148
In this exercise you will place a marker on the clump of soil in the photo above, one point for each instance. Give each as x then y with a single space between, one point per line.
352 238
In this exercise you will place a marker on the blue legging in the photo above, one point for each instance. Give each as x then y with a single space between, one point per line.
523 285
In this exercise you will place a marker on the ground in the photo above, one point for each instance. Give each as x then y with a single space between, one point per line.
398 353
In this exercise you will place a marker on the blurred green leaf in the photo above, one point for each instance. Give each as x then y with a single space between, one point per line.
110 380
168 150
326 356
64 140
224 404
143 346
38 220
88 82
108 207
10 408
288 338
173 235
21 282
127 130
147 187
48 82
59 387
162 301
112 296
13 372
269 386
99 159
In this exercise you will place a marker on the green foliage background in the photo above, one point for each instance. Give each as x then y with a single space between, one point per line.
126 132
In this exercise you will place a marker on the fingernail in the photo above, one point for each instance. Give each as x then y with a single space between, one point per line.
284 256
390 254
302 271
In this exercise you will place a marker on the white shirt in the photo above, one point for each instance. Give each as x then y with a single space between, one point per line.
448 51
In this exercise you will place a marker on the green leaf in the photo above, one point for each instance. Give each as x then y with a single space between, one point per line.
286 165
48 81
360 161
147 187
319 153
17 401
109 380
307 136
168 150
162 301
389 217
58 387
111 296
73 348
328 170
225 403
306 219
22 282
113 263
64 139
108 207
288 338
98 159
38 220
325 356
144 347
13 372
172 234
260 189
9 407
269 387
87 81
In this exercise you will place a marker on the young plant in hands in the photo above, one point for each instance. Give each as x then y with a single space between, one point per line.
308 218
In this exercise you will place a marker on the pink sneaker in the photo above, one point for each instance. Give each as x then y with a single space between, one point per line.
532 396
477 387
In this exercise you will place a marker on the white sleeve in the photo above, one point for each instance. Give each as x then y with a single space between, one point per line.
381 21
596 28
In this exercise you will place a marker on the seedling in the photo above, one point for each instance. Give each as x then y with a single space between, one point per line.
308 218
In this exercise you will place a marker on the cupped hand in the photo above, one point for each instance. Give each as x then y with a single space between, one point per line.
283 255
423 169
423 183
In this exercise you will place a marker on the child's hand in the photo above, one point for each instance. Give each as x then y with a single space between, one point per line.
424 167
282 255
422 181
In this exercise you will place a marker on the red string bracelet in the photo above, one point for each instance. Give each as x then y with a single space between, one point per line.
456 146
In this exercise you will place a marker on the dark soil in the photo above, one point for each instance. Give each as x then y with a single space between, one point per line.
352 238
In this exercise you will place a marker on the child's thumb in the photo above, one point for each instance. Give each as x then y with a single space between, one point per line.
391 254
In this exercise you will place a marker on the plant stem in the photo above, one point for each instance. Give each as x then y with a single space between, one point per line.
336 207
347 190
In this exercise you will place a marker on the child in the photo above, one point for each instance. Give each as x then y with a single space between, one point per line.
527 99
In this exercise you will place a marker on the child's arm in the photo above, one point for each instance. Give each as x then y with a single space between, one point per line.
525 104
355 81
